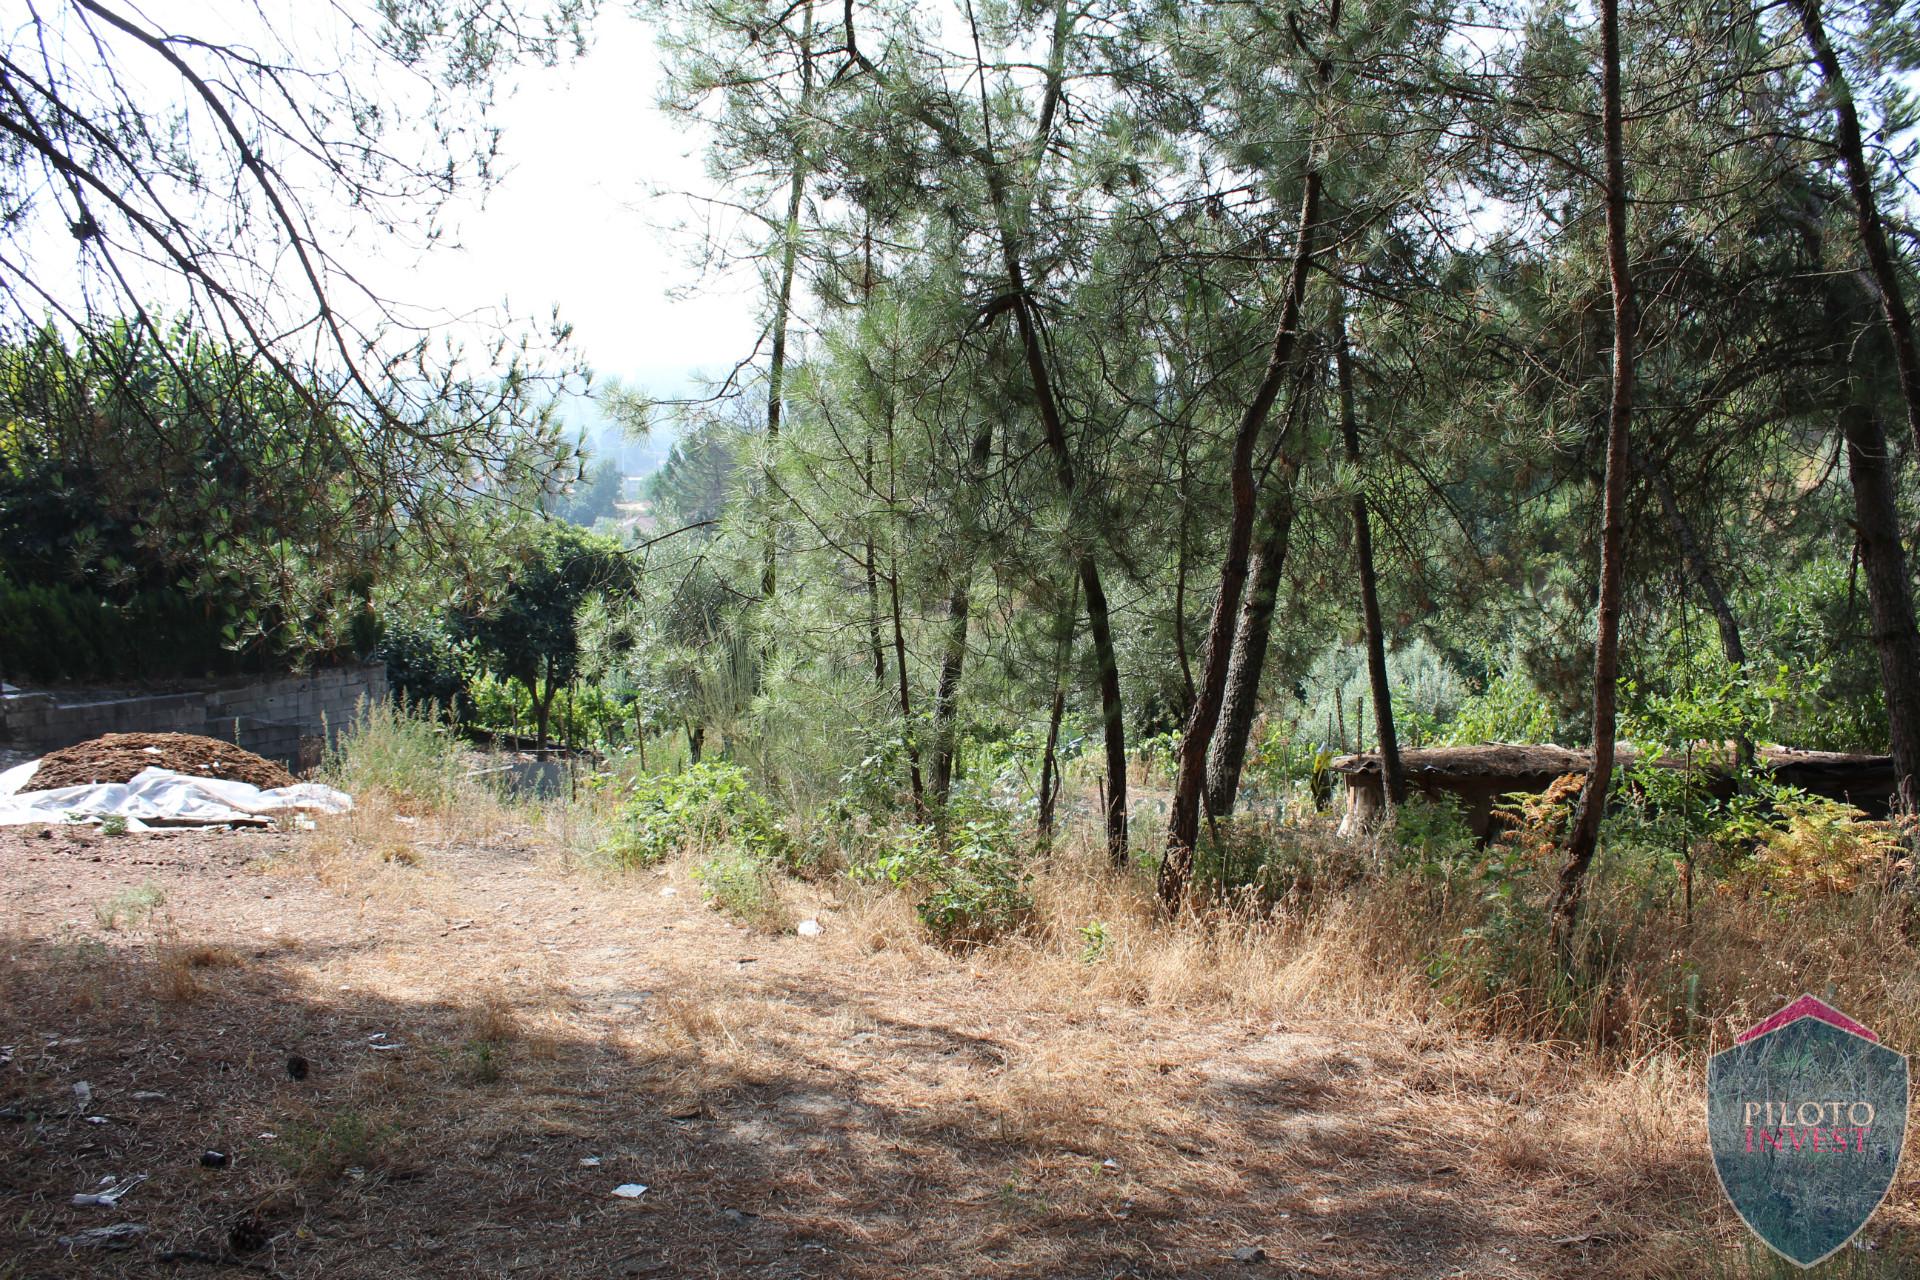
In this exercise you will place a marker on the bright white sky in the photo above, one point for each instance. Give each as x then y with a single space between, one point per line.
572 223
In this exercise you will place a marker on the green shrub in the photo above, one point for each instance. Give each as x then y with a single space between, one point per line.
969 884
1508 709
711 805
58 632
1431 838
425 666
744 885
584 714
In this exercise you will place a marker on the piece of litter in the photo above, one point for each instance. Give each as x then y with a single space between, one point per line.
304 824
630 1190
268 1137
96 1119
82 1092
668 892
149 1095
110 1197
809 929
589 1162
120 1235
1109 1163
378 1040
214 1159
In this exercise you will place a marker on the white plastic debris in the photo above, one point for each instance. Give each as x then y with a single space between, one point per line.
15 779
111 1196
82 1092
809 929
668 892
379 1041
589 1162
120 1235
630 1190
162 796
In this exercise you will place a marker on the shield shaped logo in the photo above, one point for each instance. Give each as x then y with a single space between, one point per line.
1806 1117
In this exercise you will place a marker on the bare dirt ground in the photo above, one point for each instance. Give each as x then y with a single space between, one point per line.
489 1042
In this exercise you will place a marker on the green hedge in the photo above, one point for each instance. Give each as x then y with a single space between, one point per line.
57 632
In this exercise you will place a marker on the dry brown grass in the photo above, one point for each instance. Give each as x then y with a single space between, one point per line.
861 1104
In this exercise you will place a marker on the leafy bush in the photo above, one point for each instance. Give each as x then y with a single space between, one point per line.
969 884
58 632
1431 838
1280 762
425 666
584 714
1508 709
1158 756
875 784
708 806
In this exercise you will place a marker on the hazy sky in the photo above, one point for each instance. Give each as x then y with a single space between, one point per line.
572 225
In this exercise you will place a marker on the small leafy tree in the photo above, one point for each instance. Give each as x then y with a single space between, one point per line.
529 630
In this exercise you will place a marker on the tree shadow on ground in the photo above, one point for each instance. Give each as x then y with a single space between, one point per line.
486 1144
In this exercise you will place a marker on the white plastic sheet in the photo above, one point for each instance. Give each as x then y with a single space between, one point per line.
159 797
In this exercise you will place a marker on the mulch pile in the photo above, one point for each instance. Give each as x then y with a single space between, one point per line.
116 757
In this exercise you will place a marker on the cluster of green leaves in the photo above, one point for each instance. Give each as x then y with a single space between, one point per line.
966 874
707 806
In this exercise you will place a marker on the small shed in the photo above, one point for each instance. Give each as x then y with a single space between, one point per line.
1480 777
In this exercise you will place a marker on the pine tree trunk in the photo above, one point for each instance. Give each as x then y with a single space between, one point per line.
1227 756
874 641
1050 766
1183 815
542 692
1099 622
959 608
1180 598
907 737
1896 640
1393 774
1701 570
1583 838
783 298
1866 210
1050 759
1112 718
945 696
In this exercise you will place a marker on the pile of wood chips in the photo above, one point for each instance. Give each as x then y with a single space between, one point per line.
117 757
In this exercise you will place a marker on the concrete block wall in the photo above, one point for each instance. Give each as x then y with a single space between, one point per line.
284 718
